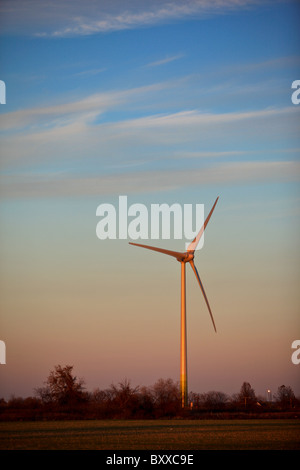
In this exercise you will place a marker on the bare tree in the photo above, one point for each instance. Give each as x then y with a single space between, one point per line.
166 396
285 396
123 394
62 387
215 400
247 395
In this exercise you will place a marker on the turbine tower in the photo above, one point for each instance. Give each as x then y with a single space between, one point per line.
183 258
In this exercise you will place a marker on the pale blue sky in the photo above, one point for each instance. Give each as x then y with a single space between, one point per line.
165 102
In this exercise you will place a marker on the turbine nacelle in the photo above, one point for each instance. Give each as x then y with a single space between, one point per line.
188 256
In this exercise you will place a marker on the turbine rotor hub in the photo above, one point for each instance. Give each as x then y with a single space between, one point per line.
187 257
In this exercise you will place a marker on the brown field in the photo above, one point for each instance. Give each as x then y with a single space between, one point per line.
256 434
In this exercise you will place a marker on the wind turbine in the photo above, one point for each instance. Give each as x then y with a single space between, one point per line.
183 258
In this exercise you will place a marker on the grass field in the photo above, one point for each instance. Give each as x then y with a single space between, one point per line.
253 434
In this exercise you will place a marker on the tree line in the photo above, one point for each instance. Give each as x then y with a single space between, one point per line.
64 396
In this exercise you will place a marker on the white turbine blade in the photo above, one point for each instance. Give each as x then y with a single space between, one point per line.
203 292
176 254
193 245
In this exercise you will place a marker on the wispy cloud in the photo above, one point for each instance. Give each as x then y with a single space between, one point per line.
195 118
77 128
64 185
159 12
245 68
61 140
95 103
55 19
164 61
143 15
90 72
63 116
